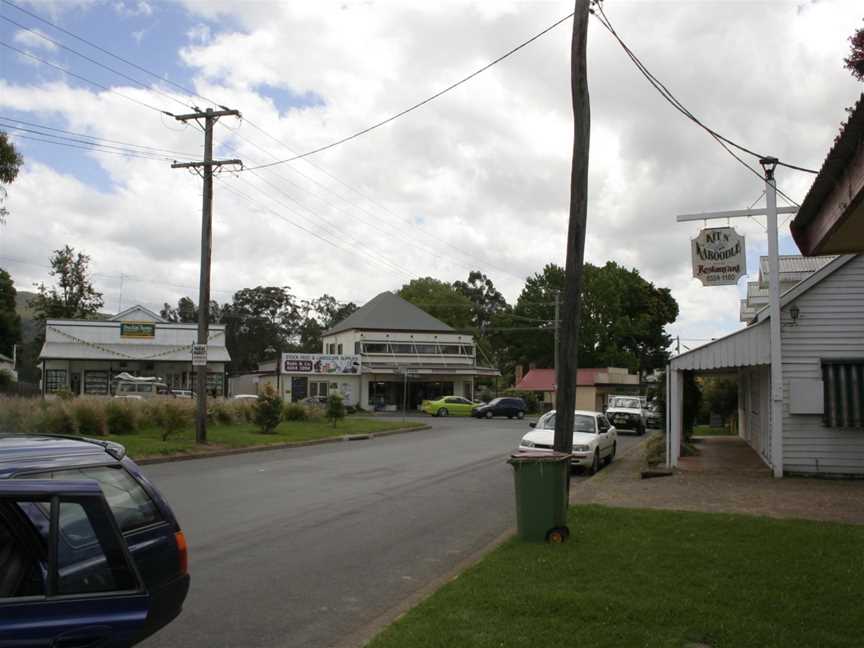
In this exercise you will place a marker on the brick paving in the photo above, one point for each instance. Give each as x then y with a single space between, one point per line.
726 477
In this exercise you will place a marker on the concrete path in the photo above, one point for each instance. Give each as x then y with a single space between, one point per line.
726 478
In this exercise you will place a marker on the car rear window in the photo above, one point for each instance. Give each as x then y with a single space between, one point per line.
131 505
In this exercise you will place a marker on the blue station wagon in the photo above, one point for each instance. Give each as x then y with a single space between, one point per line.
90 552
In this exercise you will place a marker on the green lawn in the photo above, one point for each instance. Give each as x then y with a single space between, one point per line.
707 430
148 442
658 579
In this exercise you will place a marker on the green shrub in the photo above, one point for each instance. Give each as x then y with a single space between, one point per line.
530 398
244 411
57 419
122 417
268 410
89 416
295 412
223 412
64 394
175 416
314 411
335 408
655 449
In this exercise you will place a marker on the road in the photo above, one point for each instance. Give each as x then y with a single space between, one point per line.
307 546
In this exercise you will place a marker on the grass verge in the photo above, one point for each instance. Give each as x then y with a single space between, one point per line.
148 443
653 578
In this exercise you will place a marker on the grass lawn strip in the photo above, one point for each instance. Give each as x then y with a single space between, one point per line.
147 443
654 578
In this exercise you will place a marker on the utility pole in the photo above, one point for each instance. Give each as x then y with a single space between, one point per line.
557 334
568 346
210 118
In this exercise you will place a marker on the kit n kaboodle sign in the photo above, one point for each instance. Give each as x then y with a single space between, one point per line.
719 256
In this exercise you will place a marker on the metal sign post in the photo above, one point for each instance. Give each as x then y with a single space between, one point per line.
771 210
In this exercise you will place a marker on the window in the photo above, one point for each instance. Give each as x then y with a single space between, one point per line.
427 348
55 380
602 424
405 348
843 385
625 402
318 389
96 382
339 348
467 350
450 349
375 347
21 574
582 423
131 505
331 348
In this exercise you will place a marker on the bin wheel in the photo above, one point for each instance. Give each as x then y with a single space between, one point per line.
557 535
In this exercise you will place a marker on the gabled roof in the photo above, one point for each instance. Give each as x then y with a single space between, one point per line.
389 312
793 267
136 313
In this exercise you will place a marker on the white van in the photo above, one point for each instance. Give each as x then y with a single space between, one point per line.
140 388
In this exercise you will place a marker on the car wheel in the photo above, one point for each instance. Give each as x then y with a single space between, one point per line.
489 414
443 412
595 465
520 415
640 430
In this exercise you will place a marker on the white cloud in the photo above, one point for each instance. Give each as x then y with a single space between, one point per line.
34 39
484 168
131 9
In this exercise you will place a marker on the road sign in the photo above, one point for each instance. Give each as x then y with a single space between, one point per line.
199 355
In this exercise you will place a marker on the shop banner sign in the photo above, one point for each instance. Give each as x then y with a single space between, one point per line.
719 256
318 363
137 329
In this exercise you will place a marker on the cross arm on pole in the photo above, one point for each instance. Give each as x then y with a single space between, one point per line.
212 163
733 213
209 113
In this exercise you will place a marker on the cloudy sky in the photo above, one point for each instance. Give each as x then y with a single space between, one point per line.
478 179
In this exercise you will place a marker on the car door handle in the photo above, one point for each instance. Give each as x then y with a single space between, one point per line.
89 637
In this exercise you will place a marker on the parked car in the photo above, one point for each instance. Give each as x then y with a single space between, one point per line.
447 406
654 417
626 413
90 552
595 440
246 397
184 393
508 406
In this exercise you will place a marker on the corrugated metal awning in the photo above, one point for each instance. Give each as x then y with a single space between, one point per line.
745 348
142 352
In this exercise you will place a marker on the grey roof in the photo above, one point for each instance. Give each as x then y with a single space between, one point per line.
389 312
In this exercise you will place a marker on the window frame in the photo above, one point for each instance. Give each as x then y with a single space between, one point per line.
52 385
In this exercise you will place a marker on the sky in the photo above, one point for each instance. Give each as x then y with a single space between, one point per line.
475 180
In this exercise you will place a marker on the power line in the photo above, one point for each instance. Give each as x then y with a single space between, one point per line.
94 61
670 98
419 103
93 149
108 52
85 79
94 137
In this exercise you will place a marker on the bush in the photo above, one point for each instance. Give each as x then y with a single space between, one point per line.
530 398
64 394
174 416
57 419
121 417
486 395
295 412
89 417
222 411
244 411
19 414
335 408
315 411
268 410
655 449
6 379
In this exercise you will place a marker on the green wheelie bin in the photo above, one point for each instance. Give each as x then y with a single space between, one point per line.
542 495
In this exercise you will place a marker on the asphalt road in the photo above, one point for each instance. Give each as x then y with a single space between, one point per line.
305 547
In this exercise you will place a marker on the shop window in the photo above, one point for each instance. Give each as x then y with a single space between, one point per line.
96 383
843 382
55 380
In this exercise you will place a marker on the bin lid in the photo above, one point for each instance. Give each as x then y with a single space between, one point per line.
529 456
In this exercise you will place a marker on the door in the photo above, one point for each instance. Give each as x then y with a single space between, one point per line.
299 389
605 438
75 383
458 405
79 588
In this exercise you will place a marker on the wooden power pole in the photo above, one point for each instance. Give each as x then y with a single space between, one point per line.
568 345
210 117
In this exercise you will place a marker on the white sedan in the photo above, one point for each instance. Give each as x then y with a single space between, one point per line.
594 439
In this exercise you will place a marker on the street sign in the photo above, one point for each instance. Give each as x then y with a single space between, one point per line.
199 355
719 256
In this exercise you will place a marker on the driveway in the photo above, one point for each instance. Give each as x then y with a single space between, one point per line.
308 546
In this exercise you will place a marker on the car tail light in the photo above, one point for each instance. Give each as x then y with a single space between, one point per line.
182 552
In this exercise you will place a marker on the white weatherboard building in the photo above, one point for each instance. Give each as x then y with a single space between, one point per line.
822 339
84 356
386 353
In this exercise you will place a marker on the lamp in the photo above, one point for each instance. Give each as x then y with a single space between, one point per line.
768 165
795 312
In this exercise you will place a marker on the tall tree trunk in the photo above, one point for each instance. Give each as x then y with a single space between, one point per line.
567 350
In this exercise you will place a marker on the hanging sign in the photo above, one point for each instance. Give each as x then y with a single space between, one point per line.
719 256
199 355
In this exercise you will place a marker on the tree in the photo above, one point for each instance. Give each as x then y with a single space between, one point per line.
440 299
10 322
486 301
335 408
719 396
74 296
258 319
10 164
532 338
319 315
186 312
855 61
